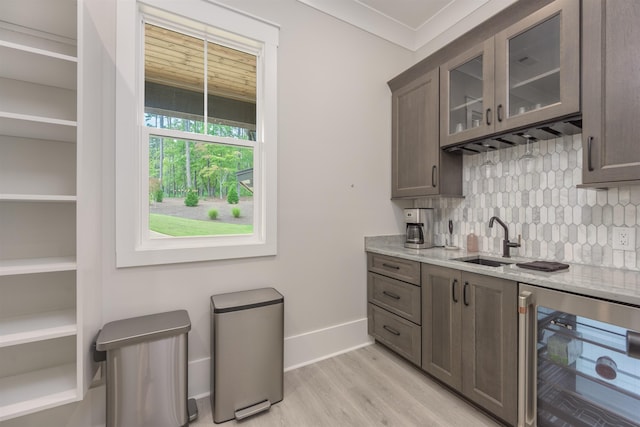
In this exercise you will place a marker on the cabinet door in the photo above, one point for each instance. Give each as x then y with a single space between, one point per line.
415 149
489 344
611 83
466 95
441 310
537 71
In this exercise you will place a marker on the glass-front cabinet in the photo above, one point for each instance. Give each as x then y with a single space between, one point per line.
527 74
466 95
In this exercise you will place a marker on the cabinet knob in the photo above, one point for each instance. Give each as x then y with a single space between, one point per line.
500 112
434 176
488 116
453 290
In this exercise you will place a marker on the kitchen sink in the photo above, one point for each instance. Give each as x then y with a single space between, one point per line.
480 260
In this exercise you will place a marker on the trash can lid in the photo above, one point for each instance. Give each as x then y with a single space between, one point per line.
135 330
235 301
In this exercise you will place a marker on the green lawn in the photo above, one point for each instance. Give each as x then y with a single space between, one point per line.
174 226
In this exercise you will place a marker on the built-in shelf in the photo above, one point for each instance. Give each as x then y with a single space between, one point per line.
37 127
36 390
43 42
36 198
43 355
37 327
26 64
36 265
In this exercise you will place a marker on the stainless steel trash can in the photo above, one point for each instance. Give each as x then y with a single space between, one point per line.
247 347
146 370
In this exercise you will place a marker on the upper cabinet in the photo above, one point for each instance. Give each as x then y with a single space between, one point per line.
527 74
419 167
610 88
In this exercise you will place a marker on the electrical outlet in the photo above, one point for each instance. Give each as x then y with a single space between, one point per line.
624 238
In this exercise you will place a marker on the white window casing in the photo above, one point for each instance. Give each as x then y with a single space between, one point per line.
134 247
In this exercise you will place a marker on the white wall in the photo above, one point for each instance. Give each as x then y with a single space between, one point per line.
333 186
333 189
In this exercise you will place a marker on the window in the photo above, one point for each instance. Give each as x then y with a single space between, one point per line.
196 133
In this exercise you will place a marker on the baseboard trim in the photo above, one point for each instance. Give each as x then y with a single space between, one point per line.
299 350
311 347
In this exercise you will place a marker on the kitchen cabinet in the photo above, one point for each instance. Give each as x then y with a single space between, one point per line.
393 311
419 167
527 74
469 340
610 86
47 309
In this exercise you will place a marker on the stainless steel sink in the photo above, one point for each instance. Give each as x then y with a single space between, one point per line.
480 260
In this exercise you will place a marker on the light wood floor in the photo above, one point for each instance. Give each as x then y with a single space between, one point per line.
370 386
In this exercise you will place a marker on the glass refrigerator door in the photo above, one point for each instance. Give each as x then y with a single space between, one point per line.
585 377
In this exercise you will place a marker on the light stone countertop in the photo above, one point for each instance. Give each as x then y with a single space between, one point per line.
606 283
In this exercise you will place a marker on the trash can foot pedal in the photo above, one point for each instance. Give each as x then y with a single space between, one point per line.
192 409
252 410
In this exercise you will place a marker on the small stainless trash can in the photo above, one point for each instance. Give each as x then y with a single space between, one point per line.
146 370
247 347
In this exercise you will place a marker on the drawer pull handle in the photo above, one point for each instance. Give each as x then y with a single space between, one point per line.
453 290
500 112
391 295
488 116
390 329
395 267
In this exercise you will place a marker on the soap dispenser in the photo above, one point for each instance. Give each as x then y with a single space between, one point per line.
472 242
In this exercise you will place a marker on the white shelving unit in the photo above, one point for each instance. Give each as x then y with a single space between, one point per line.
42 344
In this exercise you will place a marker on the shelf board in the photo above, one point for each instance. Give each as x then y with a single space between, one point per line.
466 104
38 66
36 265
27 126
37 390
37 327
536 78
42 42
36 198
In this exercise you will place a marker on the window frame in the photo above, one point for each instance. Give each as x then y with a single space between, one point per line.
226 26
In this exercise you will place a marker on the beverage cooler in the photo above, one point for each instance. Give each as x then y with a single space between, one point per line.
580 360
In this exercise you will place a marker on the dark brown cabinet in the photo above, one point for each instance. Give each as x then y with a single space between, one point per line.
469 336
610 88
527 74
419 167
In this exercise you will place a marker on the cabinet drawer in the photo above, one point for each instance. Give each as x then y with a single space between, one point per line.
397 333
397 268
398 297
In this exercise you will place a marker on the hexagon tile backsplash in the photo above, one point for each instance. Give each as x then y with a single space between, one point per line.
538 198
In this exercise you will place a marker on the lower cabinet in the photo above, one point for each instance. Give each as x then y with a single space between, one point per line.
469 336
393 311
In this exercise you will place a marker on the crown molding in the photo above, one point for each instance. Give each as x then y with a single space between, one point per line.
457 17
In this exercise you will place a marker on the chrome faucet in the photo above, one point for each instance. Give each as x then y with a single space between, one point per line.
506 244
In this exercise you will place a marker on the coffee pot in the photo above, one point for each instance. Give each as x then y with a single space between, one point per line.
419 228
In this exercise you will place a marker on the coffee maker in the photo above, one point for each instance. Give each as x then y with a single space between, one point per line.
419 230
